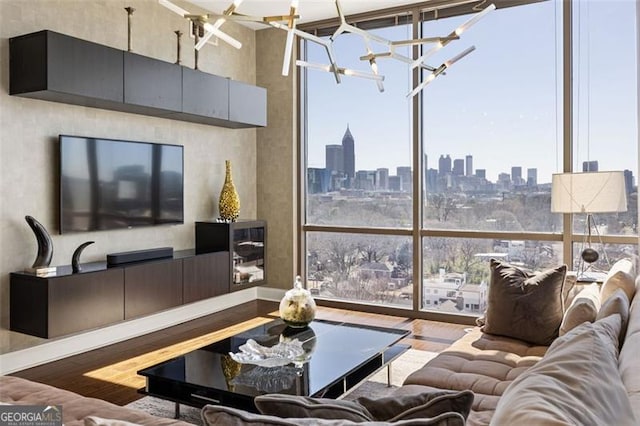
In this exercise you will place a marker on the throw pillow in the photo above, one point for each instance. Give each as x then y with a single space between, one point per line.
617 303
423 405
577 382
216 415
584 307
615 280
525 306
301 406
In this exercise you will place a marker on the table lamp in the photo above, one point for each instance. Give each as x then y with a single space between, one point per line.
588 193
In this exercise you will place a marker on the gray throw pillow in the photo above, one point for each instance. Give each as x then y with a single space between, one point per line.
415 406
282 405
525 306
217 415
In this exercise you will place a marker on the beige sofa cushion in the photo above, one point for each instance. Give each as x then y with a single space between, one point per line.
584 307
483 363
576 383
525 306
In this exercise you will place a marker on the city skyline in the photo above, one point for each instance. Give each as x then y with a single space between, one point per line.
501 118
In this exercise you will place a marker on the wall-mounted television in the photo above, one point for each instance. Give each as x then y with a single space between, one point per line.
114 184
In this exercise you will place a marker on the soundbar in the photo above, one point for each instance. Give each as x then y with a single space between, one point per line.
139 255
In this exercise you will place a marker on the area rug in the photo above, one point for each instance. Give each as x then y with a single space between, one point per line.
375 387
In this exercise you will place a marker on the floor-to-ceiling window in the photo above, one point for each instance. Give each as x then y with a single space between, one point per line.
385 228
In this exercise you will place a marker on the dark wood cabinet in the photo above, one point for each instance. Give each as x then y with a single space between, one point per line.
154 86
205 276
247 104
152 287
245 241
56 306
56 67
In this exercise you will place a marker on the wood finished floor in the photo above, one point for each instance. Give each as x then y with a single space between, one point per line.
109 373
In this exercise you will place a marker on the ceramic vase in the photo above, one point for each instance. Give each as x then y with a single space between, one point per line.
229 204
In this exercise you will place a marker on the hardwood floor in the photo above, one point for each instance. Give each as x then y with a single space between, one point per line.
109 373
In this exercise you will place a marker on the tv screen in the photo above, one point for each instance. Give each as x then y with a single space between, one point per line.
113 184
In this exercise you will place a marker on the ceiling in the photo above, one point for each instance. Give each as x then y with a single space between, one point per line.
309 10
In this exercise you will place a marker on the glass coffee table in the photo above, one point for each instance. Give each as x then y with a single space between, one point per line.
337 357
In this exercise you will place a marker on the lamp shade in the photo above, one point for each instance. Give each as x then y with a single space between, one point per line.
592 192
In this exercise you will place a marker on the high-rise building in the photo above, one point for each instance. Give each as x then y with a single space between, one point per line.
318 180
444 165
590 166
458 167
334 158
481 173
404 172
348 153
432 180
469 165
382 179
532 177
395 183
365 179
516 173
628 181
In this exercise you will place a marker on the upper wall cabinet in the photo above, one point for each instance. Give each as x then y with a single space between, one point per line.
56 67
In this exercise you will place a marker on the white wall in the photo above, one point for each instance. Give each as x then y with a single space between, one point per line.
29 130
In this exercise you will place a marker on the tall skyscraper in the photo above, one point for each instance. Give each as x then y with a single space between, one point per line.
382 179
349 155
404 172
444 165
532 177
334 159
590 166
469 165
516 174
481 173
458 167
628 181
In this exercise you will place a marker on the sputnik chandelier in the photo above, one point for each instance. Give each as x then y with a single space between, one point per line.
212 23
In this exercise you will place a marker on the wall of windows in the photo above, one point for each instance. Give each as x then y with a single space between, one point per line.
417 233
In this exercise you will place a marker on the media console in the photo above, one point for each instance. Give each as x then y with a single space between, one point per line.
102 294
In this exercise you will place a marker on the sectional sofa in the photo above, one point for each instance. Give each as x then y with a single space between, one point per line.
512 369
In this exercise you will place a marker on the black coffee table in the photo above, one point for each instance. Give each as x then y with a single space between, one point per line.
338 356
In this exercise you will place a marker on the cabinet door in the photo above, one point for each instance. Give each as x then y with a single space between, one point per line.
205 276
247 105
152 287
84 301
152 83
205 94
83 68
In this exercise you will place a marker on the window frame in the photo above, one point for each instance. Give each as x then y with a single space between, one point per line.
416 14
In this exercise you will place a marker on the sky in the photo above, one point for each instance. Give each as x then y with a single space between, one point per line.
501 104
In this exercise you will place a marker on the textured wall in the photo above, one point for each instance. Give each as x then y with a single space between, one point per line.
277 159
29 130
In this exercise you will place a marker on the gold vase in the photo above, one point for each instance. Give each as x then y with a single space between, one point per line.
229 204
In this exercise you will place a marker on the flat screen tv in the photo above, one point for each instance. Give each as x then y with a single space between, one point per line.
113 184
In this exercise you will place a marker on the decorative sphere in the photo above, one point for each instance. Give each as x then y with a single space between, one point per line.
589 255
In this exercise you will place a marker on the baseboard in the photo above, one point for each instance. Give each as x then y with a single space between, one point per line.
79 343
